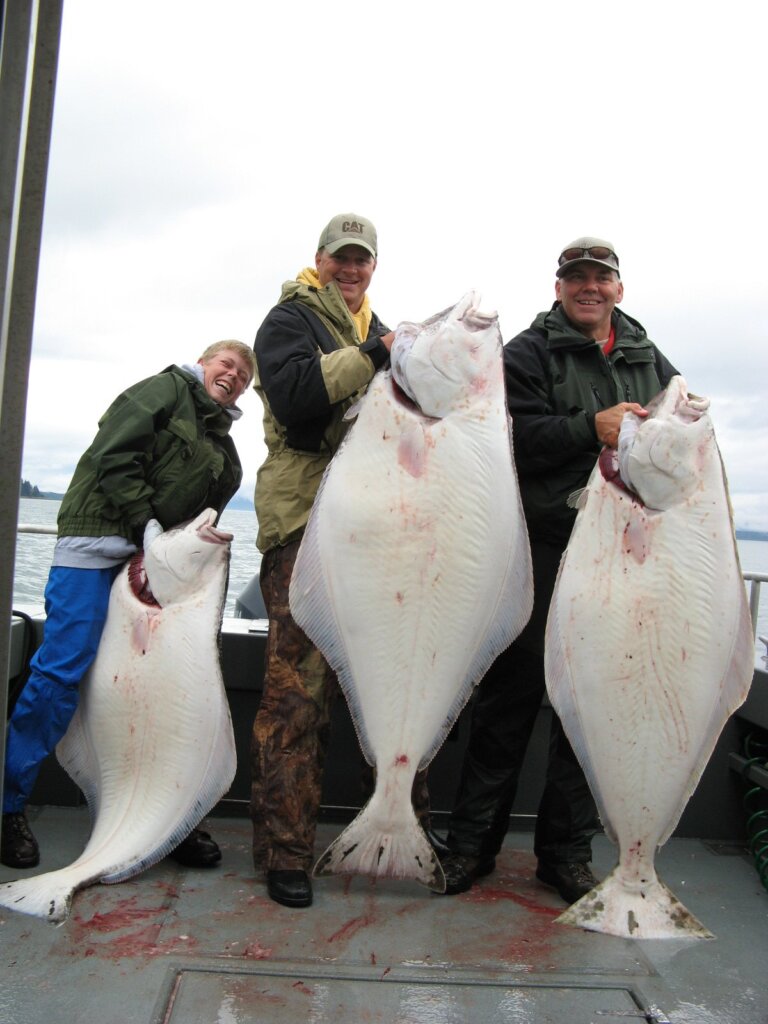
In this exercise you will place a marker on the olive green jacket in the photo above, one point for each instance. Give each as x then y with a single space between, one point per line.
162 452
311 367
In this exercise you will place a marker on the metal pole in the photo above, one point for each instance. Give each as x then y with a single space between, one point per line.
28 60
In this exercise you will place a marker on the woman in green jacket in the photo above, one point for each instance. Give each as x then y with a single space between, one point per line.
162 452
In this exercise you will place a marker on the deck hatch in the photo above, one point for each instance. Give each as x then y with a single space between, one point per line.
256 997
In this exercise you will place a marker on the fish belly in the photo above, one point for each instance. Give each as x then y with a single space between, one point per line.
648 652
413 575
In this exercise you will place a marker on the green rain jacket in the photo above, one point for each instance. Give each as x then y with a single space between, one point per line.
311 368
162 451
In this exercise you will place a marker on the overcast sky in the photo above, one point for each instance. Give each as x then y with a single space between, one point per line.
198 150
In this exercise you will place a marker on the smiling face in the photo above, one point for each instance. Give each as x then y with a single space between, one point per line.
226 375
351 267
589 292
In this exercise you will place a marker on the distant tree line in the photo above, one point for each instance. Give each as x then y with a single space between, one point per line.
29 490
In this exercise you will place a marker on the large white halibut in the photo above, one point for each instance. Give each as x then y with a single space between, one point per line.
414 572
151 744
649 648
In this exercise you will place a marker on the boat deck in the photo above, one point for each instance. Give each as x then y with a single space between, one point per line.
180 946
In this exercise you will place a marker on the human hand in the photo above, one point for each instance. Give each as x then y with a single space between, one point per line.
608 421
387 339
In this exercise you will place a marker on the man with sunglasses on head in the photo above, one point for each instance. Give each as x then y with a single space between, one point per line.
570 378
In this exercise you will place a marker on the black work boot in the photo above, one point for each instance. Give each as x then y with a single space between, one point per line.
572 879
18 847
198 850
462 871
292 888
438 844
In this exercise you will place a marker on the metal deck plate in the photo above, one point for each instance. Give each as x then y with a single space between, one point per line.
177 946
200 997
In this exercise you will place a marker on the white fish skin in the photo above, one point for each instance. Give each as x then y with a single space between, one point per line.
649 648
414 572
151 744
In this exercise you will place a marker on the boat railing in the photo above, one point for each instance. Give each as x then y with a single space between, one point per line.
753 579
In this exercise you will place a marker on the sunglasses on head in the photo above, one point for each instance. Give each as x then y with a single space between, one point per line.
597 252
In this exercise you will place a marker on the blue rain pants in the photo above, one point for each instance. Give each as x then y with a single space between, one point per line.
76 602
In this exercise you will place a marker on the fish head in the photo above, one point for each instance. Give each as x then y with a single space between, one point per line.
662 455
446 361
187 558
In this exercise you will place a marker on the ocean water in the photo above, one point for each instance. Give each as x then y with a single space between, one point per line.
34 553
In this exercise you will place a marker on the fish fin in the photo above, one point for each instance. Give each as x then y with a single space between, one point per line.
215 781
578 499
514 603
313 609
134 864
560 690
48 895
398 850
139 864
77 757
506 620
734 690
741 664
353 411
650 912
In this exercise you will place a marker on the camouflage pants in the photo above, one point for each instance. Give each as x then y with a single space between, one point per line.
291 732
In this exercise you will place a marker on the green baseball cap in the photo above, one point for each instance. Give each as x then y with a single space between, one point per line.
348 229
587 250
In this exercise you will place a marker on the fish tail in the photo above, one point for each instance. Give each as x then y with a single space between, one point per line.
48 895
393 850
651 911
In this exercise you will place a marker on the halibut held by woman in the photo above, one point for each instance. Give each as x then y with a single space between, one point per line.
414 572
151 744
649 648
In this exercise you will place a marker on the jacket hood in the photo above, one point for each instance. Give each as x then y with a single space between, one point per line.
195 370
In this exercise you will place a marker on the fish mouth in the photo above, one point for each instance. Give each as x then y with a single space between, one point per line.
403 398
205 529
212 535
475 321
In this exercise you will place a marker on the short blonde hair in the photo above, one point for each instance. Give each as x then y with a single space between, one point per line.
243 350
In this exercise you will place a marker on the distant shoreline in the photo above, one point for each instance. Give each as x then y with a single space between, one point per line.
751 535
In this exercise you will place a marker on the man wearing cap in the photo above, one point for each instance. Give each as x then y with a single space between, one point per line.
570 378
316 352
